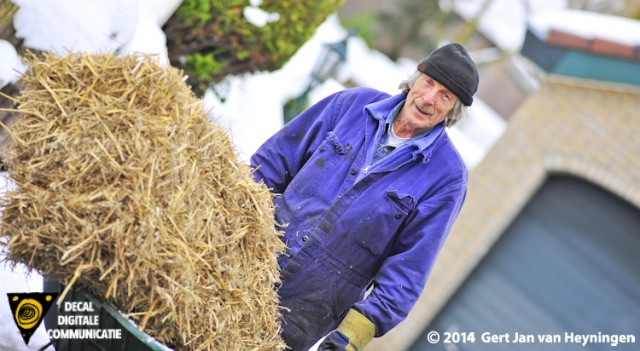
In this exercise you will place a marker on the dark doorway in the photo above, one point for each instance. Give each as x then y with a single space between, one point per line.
569 263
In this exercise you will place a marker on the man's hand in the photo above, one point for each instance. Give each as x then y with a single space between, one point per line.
353 333
335 341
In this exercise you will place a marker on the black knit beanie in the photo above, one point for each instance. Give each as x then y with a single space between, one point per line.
452 67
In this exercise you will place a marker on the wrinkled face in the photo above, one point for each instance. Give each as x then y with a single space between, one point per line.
428 103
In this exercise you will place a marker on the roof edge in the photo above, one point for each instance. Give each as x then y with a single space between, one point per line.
579 82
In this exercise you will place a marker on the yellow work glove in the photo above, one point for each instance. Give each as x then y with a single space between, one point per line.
354 332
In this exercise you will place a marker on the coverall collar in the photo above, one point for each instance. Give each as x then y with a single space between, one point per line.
379 110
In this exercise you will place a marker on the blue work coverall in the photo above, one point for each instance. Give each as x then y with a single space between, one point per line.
350 225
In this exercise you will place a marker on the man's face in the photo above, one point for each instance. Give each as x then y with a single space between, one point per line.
428 103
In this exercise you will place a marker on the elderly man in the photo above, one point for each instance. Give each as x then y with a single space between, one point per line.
367 188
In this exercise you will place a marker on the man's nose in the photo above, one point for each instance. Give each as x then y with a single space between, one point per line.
429 97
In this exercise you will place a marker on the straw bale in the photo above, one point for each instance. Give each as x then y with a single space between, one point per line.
123 185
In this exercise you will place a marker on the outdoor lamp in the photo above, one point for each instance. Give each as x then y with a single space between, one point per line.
330 59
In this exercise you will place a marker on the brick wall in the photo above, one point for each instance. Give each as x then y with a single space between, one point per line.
584 128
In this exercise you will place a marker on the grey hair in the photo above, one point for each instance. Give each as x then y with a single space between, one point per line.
457 113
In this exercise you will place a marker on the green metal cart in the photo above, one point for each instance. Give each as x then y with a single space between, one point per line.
131 338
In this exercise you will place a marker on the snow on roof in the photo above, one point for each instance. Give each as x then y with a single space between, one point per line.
504 21
587 25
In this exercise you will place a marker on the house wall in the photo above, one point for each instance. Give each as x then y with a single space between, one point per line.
585 128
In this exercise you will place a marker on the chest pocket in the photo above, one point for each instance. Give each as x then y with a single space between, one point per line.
319 166
377 229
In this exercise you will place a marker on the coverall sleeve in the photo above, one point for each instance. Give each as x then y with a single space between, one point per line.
280 158
403 275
